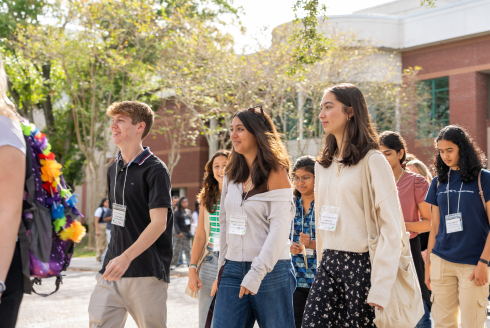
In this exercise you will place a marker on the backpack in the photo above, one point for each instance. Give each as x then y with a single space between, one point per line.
49 226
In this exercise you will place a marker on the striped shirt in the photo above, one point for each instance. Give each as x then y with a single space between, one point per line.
214 221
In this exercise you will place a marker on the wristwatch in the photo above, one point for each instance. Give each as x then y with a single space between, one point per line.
2 287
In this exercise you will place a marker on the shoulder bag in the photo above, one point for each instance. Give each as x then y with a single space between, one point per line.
405 307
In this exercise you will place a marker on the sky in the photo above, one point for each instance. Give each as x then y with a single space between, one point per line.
261 16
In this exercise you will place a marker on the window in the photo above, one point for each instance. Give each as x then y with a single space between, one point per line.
435 115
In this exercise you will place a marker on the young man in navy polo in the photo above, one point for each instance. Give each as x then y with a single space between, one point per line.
135 274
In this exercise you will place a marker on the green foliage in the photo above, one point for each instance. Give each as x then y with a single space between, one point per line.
18 12
430 3
311 45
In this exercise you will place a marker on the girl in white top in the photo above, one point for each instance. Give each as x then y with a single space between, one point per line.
12 176
257 209
347 286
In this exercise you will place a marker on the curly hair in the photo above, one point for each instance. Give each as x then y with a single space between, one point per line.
306 163
210 195
393 140
471 158
360 131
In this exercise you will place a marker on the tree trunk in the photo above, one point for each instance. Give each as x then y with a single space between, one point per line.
47 105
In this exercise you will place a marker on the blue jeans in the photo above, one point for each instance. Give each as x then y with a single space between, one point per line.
207 273
272 306
425 321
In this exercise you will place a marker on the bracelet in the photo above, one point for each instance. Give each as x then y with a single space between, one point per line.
193 266
127 256
483 261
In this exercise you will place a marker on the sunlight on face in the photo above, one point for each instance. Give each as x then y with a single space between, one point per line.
449 152
332 115
219 164
124 131
304 181
392 156
243 140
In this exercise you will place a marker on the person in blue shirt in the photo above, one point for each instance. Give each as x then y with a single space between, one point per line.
303 233
459 249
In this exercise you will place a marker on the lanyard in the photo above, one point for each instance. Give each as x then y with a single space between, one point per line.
303 219
125 176
447 191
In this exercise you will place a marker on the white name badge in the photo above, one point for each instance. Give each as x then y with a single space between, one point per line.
238 224
187 222
329 217
309 251
454 223
118 214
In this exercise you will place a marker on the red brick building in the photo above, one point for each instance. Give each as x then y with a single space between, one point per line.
465 64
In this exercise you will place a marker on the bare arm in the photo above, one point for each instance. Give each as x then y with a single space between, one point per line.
425 223
199 241
118 266
107 219
480 274
12 175
432 241
96 225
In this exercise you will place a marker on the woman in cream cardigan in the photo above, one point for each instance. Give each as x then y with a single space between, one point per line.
348 287
204 256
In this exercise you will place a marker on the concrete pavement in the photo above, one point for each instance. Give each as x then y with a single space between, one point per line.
68 307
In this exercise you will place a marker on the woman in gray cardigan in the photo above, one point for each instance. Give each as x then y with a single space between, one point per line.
258 278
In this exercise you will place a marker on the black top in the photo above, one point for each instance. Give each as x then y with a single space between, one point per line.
108 213
147 187
179 222
102 216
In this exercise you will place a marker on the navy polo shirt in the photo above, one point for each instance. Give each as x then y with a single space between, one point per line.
147 187
466 246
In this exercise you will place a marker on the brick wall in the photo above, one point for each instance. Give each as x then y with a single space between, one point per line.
467 64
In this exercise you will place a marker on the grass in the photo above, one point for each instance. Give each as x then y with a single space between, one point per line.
82 249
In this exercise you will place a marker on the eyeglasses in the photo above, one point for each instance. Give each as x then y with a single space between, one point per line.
302 179
252 109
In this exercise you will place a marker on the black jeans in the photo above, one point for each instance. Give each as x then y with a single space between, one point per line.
299 302
12 297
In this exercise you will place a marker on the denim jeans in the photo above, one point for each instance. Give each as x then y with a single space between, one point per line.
272 306
425 321
207 274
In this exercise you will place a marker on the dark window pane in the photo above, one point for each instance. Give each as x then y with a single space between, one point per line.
442 83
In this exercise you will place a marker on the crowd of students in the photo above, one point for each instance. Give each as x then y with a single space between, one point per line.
315 244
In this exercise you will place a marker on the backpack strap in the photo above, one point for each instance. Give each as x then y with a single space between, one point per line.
37 281
30 186
481 191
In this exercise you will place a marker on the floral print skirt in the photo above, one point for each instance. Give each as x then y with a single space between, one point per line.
338 296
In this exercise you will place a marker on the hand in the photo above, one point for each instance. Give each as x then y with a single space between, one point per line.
214 288
424 255
97 233
245 291
296 248
181 235
116 268
194 283
480 274
304 239
379 307
427 275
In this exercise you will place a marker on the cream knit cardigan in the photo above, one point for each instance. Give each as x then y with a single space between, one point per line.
351 234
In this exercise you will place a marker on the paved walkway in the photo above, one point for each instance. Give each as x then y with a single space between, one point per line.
68 307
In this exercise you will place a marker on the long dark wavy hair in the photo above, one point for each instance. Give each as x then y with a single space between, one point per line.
393 140
471 158
271 153
306 163
210 195
359 133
